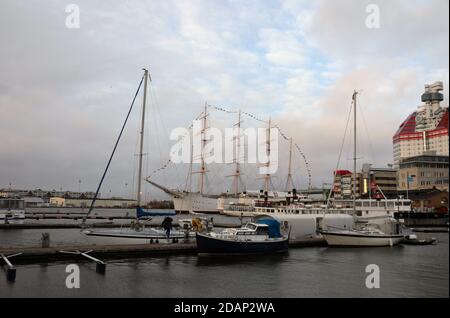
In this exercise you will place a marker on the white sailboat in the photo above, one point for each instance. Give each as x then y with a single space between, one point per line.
137 233
369 235
364 238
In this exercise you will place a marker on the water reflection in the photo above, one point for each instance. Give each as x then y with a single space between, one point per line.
260 259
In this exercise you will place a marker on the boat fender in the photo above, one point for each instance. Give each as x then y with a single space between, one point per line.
197 225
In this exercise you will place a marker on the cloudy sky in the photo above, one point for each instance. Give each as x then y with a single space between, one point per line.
65 92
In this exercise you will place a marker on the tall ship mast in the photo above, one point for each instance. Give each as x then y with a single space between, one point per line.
236 156
289 183
267 176
203 171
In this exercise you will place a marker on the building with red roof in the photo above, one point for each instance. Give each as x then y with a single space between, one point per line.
425 130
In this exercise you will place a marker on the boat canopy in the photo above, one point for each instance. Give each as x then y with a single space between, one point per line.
274 226
140 213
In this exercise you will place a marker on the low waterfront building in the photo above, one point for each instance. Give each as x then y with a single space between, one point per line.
45 194
429 171
33 202
99 203
13 193
432 200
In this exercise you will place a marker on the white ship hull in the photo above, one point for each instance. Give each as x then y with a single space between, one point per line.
305 228
352 239
189 202
239 213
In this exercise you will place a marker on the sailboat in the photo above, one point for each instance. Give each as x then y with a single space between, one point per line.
137 233
369 234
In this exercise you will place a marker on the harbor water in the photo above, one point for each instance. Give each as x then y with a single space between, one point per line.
405 271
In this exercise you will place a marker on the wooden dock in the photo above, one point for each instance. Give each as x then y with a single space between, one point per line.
31 254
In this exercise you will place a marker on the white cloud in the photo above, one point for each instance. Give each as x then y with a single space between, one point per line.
283 48
412 32
63 94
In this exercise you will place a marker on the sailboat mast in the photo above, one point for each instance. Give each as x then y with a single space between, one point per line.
354 151
141 146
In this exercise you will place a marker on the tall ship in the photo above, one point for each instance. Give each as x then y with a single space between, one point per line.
189 201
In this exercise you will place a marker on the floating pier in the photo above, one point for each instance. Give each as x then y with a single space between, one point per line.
11 270
57 253
100 265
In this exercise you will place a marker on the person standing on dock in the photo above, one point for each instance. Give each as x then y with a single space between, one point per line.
167 225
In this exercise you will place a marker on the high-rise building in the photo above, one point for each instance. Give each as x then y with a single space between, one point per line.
424 130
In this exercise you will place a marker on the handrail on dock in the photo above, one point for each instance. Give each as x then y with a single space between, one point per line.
11 271
100 265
